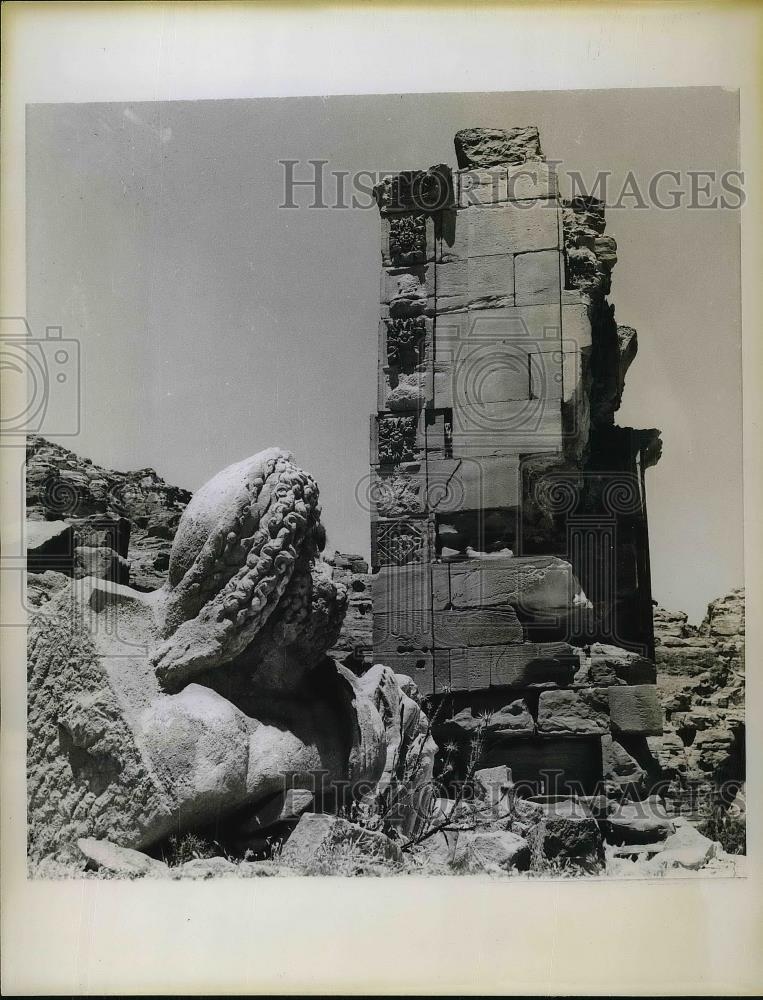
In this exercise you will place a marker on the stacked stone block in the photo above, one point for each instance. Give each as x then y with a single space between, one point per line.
494 454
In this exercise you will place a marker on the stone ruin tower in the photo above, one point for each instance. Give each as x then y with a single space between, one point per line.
509 530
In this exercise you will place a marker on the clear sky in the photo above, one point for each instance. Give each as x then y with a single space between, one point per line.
213 323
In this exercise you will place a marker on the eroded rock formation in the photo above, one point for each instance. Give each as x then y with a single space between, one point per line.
133 515
354 645
702 689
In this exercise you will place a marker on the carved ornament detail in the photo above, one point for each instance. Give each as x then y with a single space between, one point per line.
408 238
397 440
404 335
401 542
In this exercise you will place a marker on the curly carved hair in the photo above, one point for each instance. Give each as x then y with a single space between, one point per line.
244 548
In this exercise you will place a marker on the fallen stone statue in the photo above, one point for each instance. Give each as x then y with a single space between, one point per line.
160 713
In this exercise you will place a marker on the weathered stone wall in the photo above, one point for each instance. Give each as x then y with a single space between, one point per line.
509 517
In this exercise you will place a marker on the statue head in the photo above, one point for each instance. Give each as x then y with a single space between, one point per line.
244 555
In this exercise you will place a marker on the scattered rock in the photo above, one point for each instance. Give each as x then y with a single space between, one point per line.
102 562
107 532
725 619
492 784
50 546
620 767
686 848
569 828
207 868
121 860
637 823
319 832
669 752
264 869
356 564
617 867
486 851
41 587
163 527
439 849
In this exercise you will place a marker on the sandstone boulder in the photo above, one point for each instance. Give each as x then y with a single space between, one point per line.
492 784
42 586
438 850
121 860
102 562
486 851
637 823
318 834
50 546
619 766
567 826
203 868
686 848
